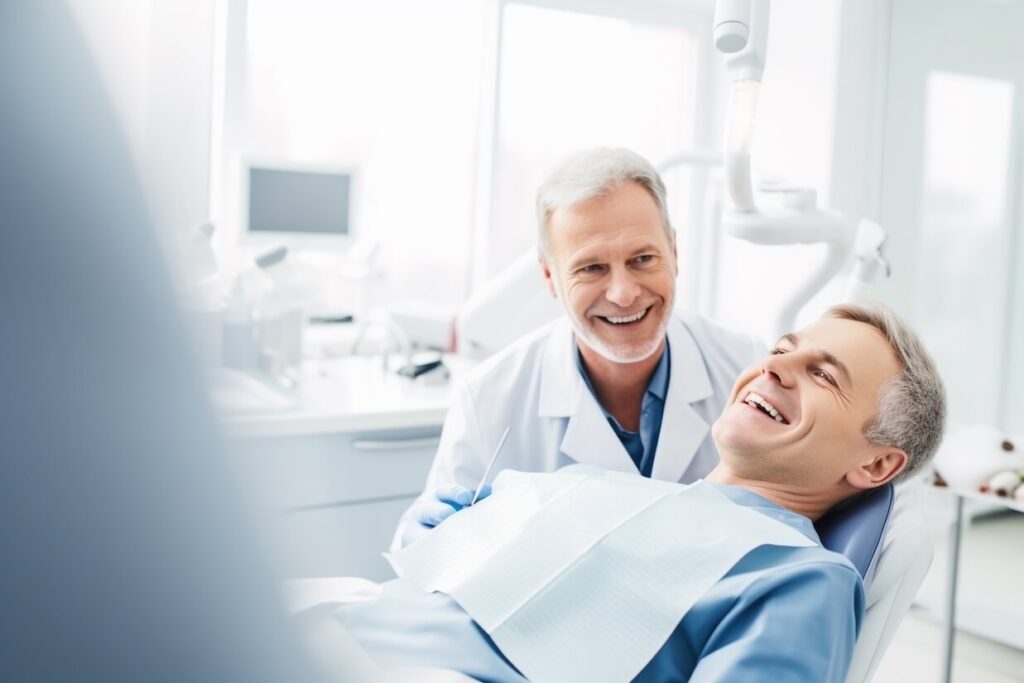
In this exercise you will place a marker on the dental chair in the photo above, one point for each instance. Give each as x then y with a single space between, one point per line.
883 535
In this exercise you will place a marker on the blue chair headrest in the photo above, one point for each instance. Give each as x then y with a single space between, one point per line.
855 530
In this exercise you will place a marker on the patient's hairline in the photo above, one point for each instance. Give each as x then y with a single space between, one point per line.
911 406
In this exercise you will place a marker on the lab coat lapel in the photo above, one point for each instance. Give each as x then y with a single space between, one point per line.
588 437
683 430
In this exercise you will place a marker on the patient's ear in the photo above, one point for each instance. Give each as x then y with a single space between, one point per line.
886 463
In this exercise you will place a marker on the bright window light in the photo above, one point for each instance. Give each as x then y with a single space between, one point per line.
571 80
967 142
390 90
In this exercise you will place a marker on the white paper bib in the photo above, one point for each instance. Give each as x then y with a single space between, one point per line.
612 561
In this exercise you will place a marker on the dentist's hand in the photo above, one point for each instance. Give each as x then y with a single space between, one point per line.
429 513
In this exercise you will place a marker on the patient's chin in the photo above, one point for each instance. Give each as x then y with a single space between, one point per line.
729 434
715 428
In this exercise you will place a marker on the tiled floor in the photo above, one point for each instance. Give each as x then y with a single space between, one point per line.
915 656
991 584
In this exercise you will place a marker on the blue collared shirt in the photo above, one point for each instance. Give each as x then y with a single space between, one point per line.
643 445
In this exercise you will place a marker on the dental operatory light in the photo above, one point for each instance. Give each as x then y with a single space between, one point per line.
741 34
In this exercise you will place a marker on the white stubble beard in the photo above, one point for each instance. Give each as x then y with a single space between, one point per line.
588 337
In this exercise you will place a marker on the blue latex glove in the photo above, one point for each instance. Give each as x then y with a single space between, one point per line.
429 513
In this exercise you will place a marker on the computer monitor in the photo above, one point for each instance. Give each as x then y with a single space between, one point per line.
299 204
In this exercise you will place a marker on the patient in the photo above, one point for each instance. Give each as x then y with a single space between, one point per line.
847 404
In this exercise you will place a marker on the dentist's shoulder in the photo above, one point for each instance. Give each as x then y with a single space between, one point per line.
722 347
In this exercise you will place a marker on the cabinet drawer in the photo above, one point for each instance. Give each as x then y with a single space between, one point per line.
334 541
326 469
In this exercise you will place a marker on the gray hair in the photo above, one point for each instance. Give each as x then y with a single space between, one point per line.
594 173
911 411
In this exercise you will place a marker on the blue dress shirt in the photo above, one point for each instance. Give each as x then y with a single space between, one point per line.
642 446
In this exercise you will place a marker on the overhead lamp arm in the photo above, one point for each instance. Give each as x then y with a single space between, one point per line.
741 34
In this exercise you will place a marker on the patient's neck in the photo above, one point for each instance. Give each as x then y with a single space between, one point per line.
794 498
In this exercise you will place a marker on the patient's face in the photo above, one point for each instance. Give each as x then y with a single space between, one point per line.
822 385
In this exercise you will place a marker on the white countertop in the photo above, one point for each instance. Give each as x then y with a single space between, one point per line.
351 394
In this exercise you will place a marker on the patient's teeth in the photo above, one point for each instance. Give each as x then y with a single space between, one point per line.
758 401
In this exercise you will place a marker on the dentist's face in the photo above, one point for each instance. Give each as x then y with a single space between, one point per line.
614 268
798 417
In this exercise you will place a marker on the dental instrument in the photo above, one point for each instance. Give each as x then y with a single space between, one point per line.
490 465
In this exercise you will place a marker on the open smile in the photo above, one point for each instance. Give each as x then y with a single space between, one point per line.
626 319
761 404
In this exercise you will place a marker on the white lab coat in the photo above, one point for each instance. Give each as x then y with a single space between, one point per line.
535 386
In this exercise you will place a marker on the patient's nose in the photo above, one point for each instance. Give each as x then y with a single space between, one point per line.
775 369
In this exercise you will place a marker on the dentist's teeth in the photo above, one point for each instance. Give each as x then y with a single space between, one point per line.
626 319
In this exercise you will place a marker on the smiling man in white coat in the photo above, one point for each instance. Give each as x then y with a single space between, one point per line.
621 381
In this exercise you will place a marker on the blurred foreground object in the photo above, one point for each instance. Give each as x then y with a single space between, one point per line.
126 555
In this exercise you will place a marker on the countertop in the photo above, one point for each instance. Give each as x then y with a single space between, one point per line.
351 394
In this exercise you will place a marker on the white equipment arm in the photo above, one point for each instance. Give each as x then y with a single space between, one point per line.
741 33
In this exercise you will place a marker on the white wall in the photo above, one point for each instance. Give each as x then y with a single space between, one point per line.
117 34
156 60
796 115
179 111
819 122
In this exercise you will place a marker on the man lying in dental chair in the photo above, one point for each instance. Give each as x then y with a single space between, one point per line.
571 576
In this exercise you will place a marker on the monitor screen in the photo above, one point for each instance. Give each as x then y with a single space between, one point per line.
298 201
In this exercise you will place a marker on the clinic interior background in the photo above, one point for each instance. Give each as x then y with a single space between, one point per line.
448 112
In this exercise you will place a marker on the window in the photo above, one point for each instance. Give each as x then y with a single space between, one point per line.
569 80
388 90
951 197
449 113
962 308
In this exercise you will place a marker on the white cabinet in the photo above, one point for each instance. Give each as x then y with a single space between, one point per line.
335 541
329 503
331 476
320 470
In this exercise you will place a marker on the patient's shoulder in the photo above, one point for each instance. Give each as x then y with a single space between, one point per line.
808 580
781 614
771 569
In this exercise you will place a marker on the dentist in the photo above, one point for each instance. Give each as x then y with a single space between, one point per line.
592 387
